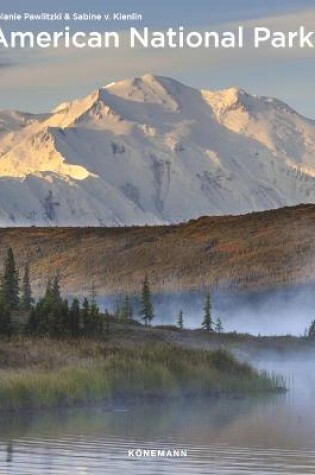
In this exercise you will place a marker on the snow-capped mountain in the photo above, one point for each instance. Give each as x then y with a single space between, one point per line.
152 150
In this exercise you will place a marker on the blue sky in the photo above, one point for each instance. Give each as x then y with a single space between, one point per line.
39 80
163 12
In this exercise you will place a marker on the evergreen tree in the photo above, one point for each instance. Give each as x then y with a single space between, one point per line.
93 293
92 319
38 322
48 291
207 320
33 322
39 318
26 299
6 327
55 289
96 321
118 311
51 315
74 318
311 330
107 321
218 326
10 282
146 309
180 320
44 318
60 318
85 314
127 310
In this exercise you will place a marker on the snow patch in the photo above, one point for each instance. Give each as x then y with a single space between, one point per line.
151 150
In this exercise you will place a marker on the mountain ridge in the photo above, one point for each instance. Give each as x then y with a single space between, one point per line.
152 150
255 252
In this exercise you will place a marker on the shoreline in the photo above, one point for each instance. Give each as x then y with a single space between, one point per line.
40 373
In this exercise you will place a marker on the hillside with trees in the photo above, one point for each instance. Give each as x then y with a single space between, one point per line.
54 316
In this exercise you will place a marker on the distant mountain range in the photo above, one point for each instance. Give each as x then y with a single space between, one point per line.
153 151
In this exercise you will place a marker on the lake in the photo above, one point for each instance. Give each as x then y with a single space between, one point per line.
264 435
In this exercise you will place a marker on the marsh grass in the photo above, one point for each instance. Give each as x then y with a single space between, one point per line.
38 373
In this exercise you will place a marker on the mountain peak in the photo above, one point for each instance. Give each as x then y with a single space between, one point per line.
152 150
224 100
234 95
145 79
147 89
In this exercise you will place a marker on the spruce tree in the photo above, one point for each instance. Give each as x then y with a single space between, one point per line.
60 317
6 327
85 314
146 308
74 318
48 292
218 326
311 330
92 319
118 311
33 322
207 320
51 314
180 320
55 289
127 310
96 320
10 282
107 321
93 293
39 322
26 299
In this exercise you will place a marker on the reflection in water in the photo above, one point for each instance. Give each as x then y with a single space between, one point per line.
266 435
9 452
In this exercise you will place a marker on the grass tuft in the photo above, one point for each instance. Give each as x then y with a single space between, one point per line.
36 373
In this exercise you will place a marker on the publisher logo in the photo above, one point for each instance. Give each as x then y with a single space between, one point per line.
157 453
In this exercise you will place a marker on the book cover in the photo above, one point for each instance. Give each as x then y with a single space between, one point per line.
157 190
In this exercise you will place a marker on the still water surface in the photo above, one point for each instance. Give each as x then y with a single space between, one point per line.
266 435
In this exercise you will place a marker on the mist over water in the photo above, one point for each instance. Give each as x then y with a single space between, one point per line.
279 312
266 435
262 435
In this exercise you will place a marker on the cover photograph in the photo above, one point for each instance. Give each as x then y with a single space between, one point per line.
157 237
